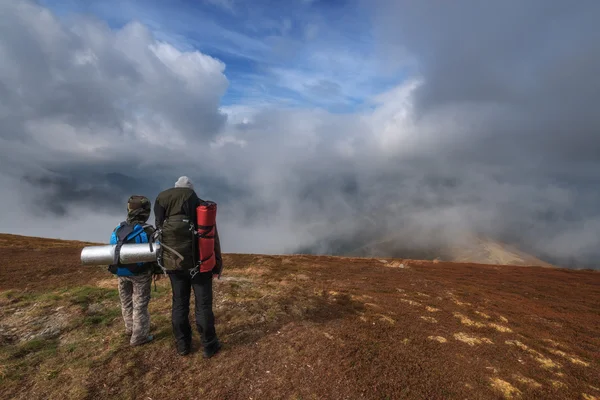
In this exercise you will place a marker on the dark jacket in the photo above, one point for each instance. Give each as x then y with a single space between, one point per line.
174 209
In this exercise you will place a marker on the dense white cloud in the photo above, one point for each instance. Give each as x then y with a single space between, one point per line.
93 84
90 115
83 100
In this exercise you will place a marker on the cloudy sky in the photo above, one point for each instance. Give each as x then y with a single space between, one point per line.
315 125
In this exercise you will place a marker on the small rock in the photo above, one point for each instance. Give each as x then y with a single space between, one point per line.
50 332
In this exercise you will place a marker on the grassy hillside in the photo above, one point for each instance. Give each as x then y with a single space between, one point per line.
304 327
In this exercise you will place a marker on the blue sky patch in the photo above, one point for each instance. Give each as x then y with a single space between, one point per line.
302 53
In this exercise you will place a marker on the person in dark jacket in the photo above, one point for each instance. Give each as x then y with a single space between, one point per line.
174 210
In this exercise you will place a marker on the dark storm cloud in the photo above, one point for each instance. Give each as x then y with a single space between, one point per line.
536 62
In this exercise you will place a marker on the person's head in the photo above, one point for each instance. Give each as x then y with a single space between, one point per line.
138 209
184 181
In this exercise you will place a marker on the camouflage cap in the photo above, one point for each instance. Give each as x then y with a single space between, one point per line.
138 209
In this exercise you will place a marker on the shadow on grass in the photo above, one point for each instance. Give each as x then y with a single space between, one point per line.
35 346
247 323
161 327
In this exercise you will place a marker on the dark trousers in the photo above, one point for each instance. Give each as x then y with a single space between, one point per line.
182 284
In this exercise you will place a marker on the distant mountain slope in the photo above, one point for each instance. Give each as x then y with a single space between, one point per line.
488 251
466 249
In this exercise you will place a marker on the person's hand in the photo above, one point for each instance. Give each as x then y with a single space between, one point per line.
158 277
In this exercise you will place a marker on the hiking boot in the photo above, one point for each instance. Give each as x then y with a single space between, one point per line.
183 349
208 353
147 339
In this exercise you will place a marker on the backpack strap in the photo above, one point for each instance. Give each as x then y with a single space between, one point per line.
123 230
150 237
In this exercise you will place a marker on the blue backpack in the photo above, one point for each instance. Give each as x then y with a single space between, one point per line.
127 233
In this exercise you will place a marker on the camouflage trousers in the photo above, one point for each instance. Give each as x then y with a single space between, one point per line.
135 292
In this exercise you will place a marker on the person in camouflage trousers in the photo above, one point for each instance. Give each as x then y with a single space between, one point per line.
134 292
135 282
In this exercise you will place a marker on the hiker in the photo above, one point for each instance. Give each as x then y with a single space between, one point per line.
135 279
175 213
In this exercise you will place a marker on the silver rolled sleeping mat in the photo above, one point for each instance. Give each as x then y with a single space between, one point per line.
130 253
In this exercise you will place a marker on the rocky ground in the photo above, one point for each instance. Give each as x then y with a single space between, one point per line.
304 327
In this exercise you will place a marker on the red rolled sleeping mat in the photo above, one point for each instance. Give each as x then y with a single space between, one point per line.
206 215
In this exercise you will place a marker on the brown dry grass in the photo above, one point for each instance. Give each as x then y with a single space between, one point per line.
304 327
